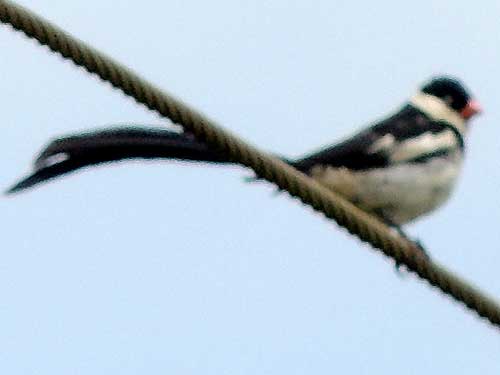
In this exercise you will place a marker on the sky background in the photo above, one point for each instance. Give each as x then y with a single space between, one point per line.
166 267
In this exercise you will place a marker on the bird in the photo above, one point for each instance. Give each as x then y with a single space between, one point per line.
399 168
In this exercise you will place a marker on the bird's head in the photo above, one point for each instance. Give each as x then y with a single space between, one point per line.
453 93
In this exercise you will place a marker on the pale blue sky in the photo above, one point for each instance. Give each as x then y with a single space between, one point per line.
158 267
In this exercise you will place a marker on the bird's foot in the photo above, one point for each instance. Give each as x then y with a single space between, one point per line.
417 242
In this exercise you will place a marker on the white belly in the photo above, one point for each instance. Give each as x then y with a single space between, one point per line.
400 193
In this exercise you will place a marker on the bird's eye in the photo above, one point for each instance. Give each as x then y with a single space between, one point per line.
448 100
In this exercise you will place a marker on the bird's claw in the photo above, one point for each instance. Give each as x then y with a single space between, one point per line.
418 244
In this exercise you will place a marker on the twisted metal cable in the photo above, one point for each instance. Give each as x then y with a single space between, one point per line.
333 206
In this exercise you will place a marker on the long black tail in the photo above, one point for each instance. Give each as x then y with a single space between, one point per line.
68 154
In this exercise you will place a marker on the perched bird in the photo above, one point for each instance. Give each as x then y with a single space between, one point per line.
399 169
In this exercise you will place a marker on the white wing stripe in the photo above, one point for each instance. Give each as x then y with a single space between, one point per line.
424 144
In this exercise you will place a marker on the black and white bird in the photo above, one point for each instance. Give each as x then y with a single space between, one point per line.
399 169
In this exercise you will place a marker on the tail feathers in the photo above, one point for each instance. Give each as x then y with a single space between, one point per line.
68 154
44 174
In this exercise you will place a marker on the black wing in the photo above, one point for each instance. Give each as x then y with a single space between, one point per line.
360 152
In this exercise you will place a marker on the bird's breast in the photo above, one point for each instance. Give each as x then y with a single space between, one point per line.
399 193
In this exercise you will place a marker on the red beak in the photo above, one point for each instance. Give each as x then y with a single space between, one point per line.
471 108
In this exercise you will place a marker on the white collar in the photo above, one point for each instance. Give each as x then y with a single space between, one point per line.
437 110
